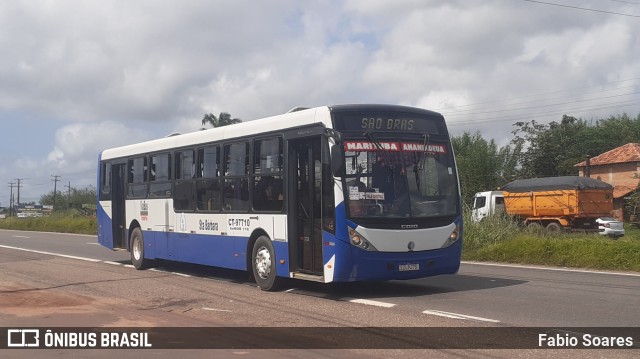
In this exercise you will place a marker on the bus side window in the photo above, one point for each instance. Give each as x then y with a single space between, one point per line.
268 183
184 196
137 177
268 193
208 182
160 176
236 183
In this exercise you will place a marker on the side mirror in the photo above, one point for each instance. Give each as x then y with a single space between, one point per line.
337 161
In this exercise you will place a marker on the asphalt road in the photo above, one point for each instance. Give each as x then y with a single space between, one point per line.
93 286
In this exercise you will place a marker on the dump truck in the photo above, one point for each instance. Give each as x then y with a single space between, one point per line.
555 203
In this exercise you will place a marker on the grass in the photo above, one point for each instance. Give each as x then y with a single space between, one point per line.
65 222
502 240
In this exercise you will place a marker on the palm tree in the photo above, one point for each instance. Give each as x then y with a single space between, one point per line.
223 119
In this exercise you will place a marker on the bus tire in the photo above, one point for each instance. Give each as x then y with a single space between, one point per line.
554 227
137 250
263 264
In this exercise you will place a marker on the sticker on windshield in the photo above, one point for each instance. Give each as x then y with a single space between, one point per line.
374 195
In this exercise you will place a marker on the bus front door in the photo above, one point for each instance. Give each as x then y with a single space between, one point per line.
305 215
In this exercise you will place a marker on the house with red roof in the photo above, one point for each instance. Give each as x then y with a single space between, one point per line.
619 167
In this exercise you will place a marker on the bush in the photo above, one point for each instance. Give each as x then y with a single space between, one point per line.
489 231
63 222
502 239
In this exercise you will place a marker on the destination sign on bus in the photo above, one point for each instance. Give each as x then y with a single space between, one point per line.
365 146
392 122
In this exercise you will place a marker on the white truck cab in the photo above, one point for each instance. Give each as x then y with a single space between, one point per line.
485 204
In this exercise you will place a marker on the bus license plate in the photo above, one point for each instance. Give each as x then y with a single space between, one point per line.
408 267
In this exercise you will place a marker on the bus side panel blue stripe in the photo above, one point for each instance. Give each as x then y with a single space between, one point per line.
341 223
105 228
282 252
219 251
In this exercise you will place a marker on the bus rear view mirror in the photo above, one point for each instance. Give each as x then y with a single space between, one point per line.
337 161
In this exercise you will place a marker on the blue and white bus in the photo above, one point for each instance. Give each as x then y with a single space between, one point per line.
327 194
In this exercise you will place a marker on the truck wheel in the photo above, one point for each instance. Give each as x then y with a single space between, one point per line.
554 227
534 226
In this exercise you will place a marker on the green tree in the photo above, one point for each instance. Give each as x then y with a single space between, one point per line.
75 198
555 149
223 119
482 166
632 205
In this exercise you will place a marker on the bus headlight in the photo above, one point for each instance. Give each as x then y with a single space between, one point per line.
453 237
359 241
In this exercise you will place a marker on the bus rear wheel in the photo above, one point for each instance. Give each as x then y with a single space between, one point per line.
263 264
137 250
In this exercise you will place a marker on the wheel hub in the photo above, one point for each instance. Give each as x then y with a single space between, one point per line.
263 262
137 252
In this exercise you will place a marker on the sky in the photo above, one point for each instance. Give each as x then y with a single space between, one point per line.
77 77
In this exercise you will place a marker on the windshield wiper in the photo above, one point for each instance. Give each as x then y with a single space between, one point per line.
369 136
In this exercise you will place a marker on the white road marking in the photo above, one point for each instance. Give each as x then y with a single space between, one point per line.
458 316
112 263
66 234
20 236
181 274
96 243
216 310
551 269
129 266
371 302
53 254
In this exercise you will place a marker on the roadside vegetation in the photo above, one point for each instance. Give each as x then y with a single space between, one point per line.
500 239
64 222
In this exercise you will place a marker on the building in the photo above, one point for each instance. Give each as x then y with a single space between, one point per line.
619 167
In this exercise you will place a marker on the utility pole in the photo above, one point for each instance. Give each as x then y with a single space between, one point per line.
18 186
69 194
11 184
55 180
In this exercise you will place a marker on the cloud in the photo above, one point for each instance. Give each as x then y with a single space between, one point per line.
102 74
78 145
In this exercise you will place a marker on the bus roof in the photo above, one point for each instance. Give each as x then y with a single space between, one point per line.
267 124
300 117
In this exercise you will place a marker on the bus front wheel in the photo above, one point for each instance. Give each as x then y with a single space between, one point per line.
137 250
263 263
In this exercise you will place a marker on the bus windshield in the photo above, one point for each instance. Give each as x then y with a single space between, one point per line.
399 179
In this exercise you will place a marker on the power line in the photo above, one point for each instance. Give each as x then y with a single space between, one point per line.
626 2
535 101
581 8
534 115
531 107
546 93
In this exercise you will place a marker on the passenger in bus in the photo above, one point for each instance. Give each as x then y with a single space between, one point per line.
268 194
275 190
402 204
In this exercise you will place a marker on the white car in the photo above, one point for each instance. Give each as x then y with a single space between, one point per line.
610 227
